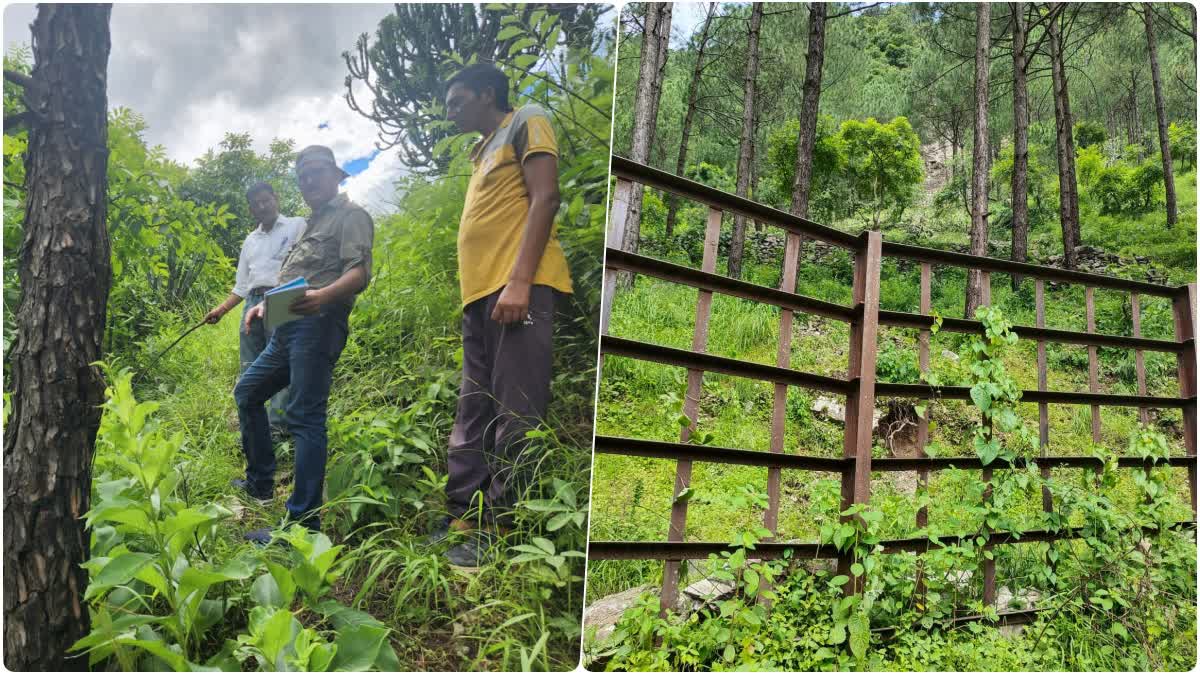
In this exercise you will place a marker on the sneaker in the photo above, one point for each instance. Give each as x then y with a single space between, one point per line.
262 536
440 532
472 552
244 485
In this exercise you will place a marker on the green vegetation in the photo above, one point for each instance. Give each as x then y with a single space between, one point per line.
1115 600
173 585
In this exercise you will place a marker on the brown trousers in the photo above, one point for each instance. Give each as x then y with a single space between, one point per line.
505 392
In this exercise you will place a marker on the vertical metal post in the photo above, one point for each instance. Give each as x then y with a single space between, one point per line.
923 420
860 401
1093 362
783 359
1043 408
1139 361
923 362
691 408
1184 306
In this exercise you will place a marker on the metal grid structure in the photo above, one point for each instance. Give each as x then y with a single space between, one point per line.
860 387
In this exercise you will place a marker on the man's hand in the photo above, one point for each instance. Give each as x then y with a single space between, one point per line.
215 315
513 303
254 314
311 303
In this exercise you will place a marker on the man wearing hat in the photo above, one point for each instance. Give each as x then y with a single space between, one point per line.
334 256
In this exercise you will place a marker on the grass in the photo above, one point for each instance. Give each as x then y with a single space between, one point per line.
390 414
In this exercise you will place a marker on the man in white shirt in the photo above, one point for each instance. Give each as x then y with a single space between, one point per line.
258 272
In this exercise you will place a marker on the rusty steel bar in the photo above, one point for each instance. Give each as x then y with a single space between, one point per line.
932 255
640 447
860 400
691 409
955 325
730 203
1043 408
1093 361
1139 360
616 236
710 363
913 390
783 359
1184 310
737 288
699 550
923 364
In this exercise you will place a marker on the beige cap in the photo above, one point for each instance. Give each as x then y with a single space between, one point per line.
317 154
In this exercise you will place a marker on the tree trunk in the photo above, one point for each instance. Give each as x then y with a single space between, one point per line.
1164 141
1020 176
657 24
65 274
664 41
1068 202
809 109
979 155
745 151
689 116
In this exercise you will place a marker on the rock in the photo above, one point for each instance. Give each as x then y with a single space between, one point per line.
1023 599
949 355
960 578
1012 630
604 613
707 592
834 410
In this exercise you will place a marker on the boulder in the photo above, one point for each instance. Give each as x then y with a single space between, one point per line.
605 612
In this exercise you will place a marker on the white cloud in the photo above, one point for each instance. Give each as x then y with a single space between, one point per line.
374 188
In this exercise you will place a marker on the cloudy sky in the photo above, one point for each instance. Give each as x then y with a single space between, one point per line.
272 70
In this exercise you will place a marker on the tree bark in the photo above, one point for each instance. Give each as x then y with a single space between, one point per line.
737 243
689 116
1068 189
1164 141
979 155
809 109
65 274
1020 176
645 108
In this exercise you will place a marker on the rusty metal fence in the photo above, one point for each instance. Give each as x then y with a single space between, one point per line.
860 388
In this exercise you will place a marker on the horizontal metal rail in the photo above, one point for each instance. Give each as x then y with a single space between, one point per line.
645 351
935 256
719 199
698 550
925 391
684 358
707 281
639 447
661 180
924 321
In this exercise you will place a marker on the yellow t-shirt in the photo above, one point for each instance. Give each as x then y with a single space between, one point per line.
493 217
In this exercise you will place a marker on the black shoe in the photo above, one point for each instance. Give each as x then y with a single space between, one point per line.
472 552
244 485
262 536
440 532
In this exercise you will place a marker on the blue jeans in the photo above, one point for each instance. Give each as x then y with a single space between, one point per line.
301 354
250 345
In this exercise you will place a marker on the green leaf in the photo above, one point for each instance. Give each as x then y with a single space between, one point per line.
265 591
837 634
839 580
358 647
117 572
509 32
856 569
860 634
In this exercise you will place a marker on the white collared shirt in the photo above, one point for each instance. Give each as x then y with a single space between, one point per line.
263 253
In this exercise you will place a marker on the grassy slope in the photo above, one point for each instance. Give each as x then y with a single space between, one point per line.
402 341
632 496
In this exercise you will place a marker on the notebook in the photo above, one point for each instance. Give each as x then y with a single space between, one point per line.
277 300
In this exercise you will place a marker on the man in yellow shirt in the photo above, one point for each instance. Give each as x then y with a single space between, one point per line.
510 265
